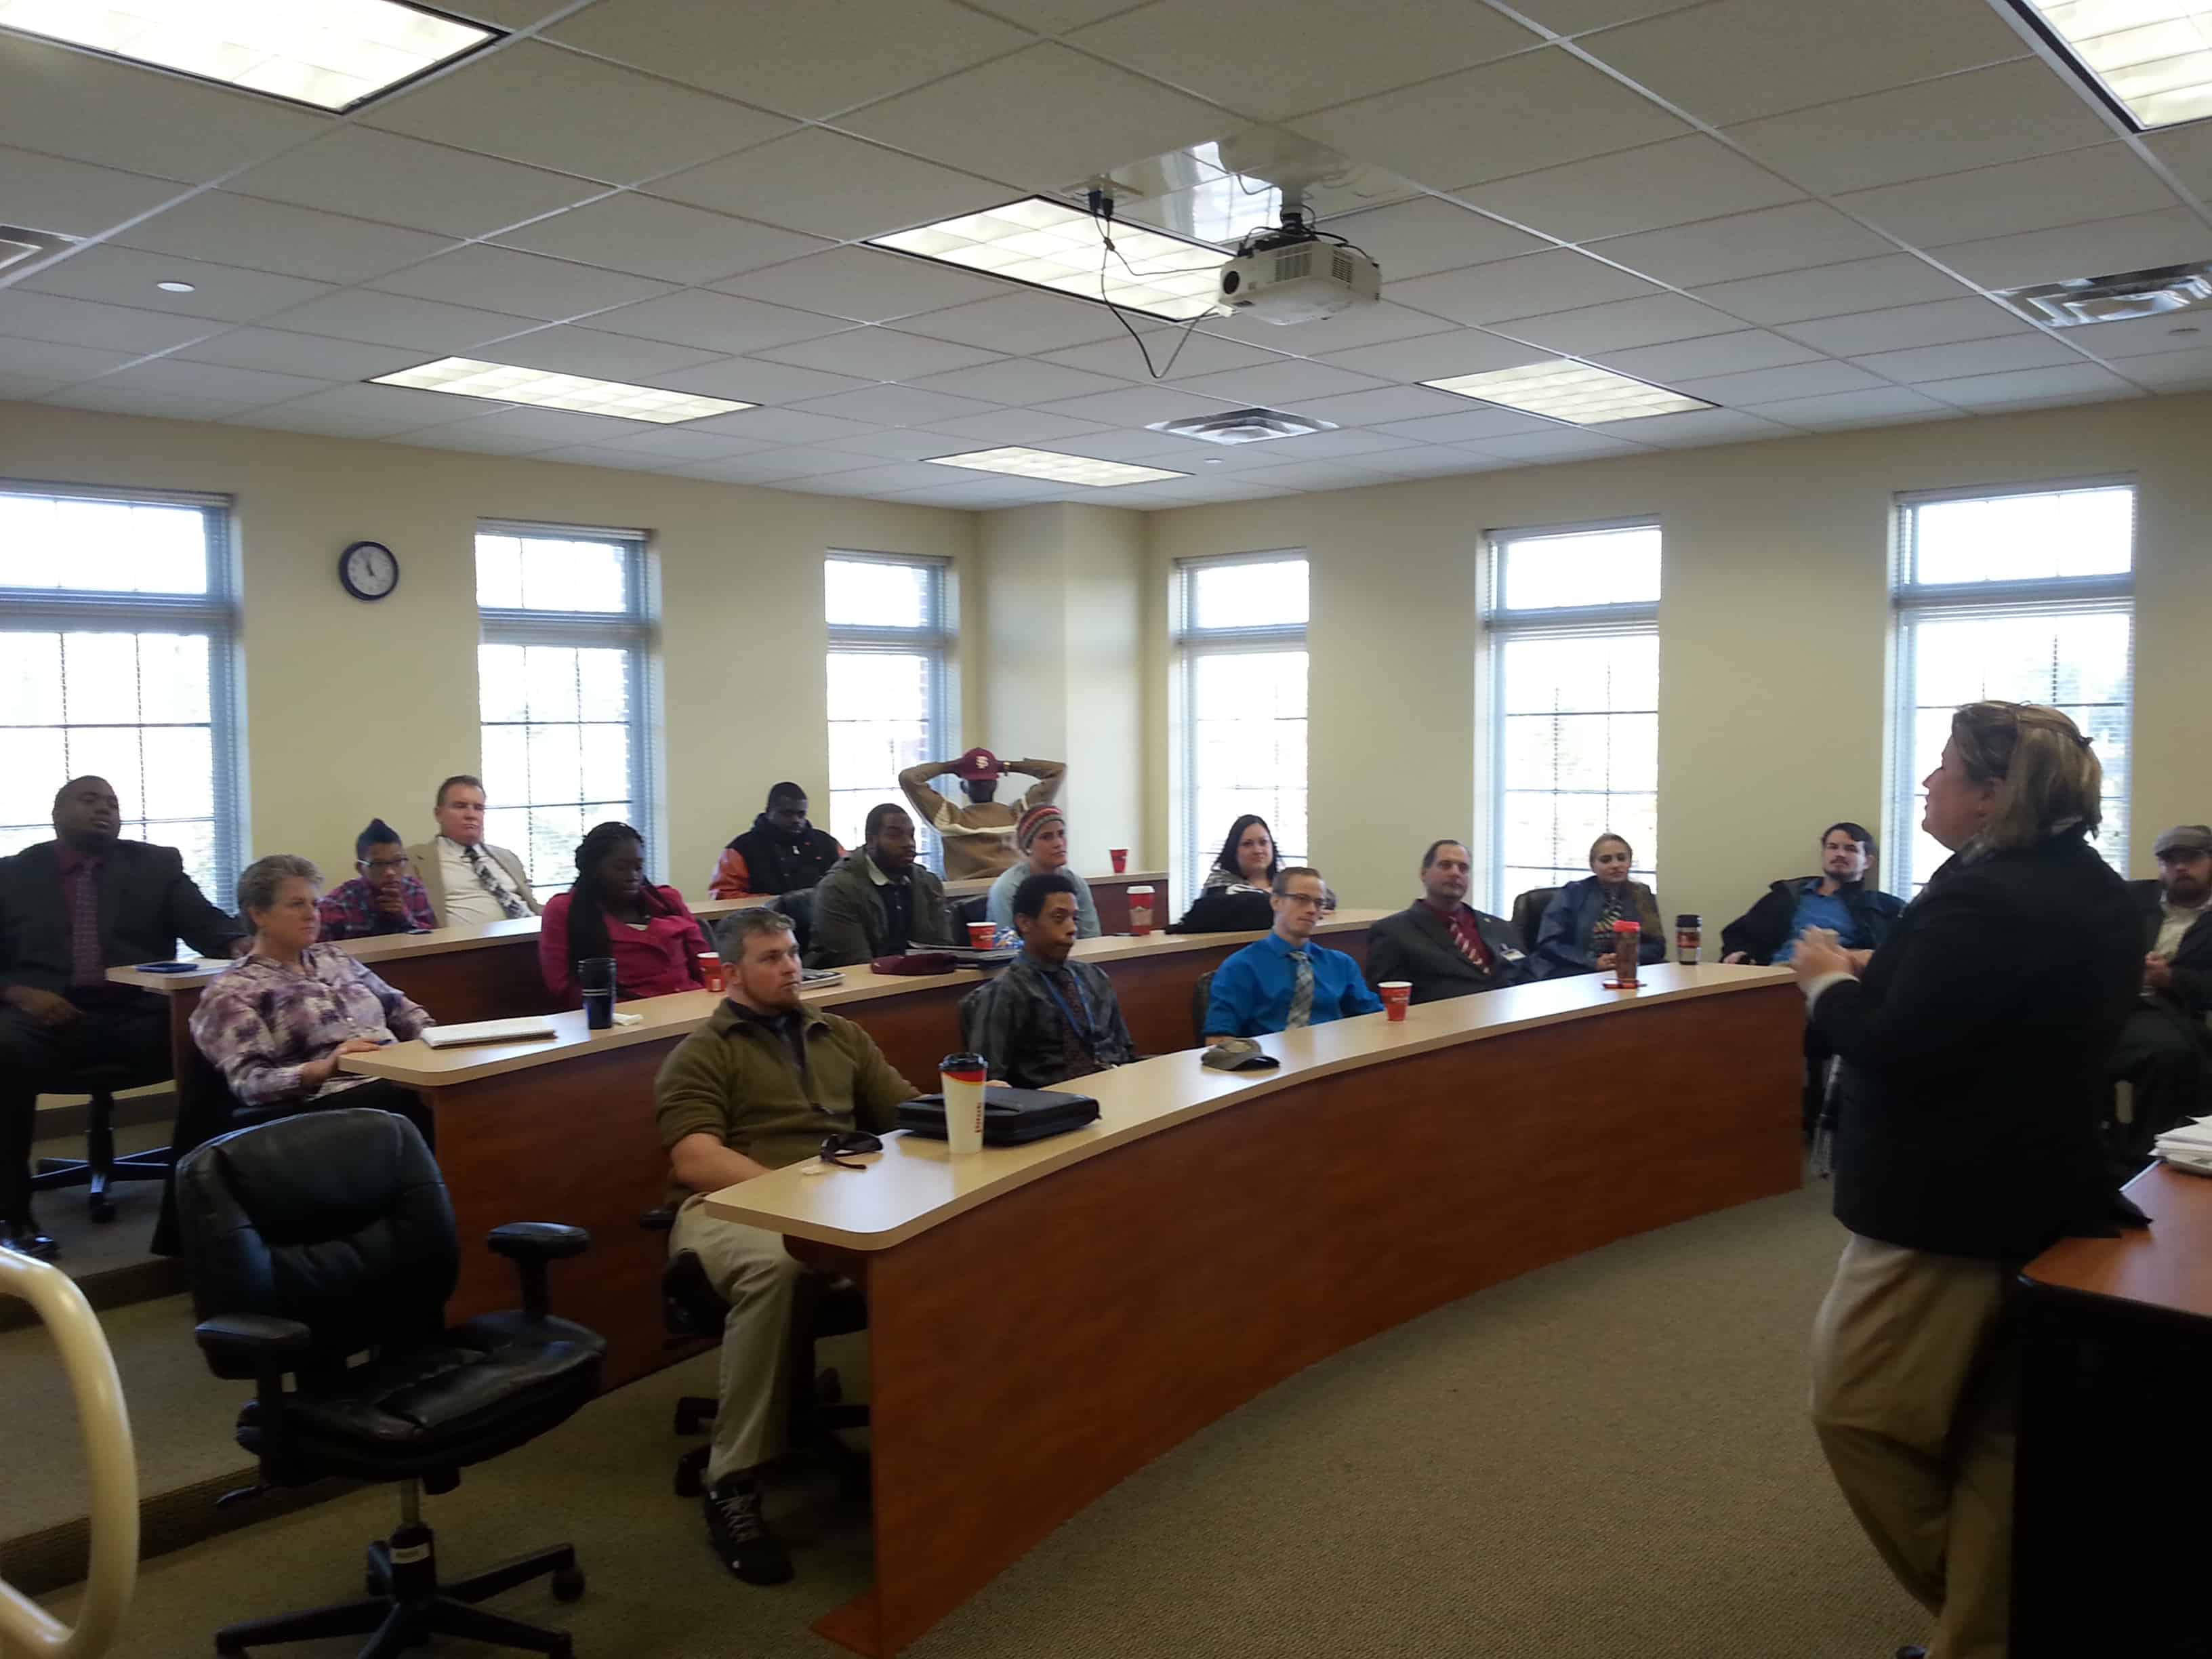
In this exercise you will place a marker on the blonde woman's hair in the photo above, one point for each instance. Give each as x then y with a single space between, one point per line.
2048 778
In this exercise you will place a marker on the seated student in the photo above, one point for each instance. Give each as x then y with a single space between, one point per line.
756 1087
1576 936
1048 1018
2164 1049
471 882
276 1024
1234 895
879 901
1285 980
1042 836
70 908
1838 899
978 837
1440 945
614 911
384 898
782 852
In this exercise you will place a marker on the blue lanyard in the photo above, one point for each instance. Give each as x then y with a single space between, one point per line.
1079 1024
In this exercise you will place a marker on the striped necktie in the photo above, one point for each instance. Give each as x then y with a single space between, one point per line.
489 880
1302 989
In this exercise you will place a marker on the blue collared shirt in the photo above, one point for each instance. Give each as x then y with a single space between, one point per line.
1815 909
1251 992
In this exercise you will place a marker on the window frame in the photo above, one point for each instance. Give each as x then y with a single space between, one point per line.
636 629
1189 852
1912 603
214 613
938 640
1501 626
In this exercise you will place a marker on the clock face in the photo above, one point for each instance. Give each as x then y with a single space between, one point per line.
369 570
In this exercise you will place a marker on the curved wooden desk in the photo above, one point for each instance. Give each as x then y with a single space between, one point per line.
1043 1320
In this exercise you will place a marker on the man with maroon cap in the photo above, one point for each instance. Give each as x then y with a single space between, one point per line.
979 837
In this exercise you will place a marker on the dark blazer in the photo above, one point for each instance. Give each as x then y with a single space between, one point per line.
1974 1048
1416 945
1761 931
2191 993
147 903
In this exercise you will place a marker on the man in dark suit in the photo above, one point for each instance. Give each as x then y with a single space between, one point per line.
1440 945
70 908
2166 1049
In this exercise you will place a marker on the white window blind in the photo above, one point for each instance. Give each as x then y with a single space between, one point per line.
892 641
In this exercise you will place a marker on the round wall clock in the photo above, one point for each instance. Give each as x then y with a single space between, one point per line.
369 570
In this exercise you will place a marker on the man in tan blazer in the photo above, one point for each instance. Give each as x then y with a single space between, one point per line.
471 884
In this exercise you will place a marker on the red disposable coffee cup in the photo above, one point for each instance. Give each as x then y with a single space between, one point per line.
1140 909
981 935
1121 857
710 970
1396 995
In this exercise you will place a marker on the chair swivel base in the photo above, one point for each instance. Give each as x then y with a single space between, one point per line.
96 1177
406 1605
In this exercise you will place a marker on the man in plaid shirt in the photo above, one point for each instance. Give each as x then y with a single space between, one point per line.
384 898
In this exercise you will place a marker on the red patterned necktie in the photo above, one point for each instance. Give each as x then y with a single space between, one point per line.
85 966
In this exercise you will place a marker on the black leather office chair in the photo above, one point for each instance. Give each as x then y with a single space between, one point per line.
965 910
692 1310
1528 917
1201 995
798 905
100 1167
316 1238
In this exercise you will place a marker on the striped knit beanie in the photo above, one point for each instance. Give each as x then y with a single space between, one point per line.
1035 822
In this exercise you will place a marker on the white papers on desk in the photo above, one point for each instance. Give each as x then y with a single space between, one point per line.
489 1031
2188 1146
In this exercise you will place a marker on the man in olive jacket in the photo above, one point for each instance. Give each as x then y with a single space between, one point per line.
758 1087
879 901
1440 945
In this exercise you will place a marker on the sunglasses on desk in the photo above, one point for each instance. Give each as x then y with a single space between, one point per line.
847 1143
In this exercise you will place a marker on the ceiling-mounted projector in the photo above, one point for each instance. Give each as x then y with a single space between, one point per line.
1299 281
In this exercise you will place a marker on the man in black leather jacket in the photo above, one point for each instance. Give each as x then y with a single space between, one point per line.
2166 1049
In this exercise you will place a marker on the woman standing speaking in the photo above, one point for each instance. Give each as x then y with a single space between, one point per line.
1973 1046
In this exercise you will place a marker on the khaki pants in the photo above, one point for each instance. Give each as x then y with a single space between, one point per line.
1915 1380
760 1280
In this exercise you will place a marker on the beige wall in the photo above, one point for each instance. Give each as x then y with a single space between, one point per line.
355 710
1774 633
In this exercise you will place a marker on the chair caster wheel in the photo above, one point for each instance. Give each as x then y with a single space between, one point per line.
567 1584
101 1209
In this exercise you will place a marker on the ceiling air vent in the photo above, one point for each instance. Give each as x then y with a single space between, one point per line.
2112 299
20 246
1242 426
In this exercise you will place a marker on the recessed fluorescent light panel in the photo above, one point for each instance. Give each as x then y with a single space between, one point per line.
1048 244
1561 389
1055 467
330 54
465 377
2150 59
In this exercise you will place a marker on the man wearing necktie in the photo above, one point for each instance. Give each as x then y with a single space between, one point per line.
471 882
1285 981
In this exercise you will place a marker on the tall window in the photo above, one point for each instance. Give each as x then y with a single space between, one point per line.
890 643
2028 596
1240 633
116 619
1573 633
563 674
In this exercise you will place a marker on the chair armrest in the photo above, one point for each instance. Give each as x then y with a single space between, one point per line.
251 1340
531 1245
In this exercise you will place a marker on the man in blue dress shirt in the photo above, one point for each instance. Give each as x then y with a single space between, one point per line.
1285 980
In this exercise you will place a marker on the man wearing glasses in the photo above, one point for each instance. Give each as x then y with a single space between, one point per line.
1285 980
383 898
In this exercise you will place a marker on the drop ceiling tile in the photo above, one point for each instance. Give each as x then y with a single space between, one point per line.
1415 239
2105 247
1391 402
863 285
1019 322
2172 370
1526 287
1841 409
1938 323
87 323
1861 285
1053 16
1612 195
1141 405
1538 110
1769 386
828 184
1259 57
750 380
904 444
651 238
811 60
528 285
536 104
1181 354
1738 59
880 480
549 427
474 434
628 460
2100 181
1426 460
1562 444
238 230
1477 422
1436 357
667 444
801 463
782 427
2141 336
716 322
75 199
1313 475
114 114
394 320
113 400
899 405
1137 446
1695 428
1362 325
2188 151
42 359
126 276
2029 385
1715 354
1796 237
1055 115
572 350
402 181
1275 384
1648 321
1969 120
1013 381
878 354
245 388
1578 17
406 408
290 418
1967 357
1012 426
1355 447
23 388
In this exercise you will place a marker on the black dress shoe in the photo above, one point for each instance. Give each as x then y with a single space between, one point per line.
741 1538
21 1233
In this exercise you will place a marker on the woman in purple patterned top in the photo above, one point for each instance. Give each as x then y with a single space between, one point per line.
276 1024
